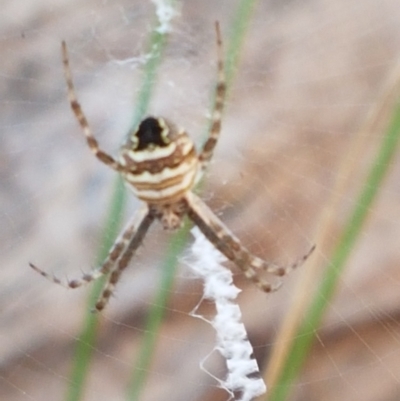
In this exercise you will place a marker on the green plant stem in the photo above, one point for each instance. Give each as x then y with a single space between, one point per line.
87 338
156 314
237 35
305 336
157 45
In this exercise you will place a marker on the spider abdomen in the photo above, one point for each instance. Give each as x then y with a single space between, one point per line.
160 162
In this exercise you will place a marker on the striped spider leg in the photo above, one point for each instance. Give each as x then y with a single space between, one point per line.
117 259
143 220
160 165
226 242
220 93
80 116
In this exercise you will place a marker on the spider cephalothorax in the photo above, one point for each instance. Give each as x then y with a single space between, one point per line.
160 164
151 133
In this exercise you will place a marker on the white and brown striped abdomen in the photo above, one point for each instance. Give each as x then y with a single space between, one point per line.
161 174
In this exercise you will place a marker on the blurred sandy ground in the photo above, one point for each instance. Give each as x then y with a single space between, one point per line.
309 74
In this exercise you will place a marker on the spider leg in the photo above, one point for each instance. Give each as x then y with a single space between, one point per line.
80 116
124 259
220 91
120 245
221 237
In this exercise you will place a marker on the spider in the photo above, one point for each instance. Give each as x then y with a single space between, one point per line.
160 164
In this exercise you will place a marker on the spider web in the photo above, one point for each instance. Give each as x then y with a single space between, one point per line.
309 76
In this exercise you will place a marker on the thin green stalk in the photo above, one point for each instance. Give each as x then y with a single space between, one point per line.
87 338
157 45
305 336
238 31
156 314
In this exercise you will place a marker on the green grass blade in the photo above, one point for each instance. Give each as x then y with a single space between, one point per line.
157 45
237 35
156 314
87 338
306 333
